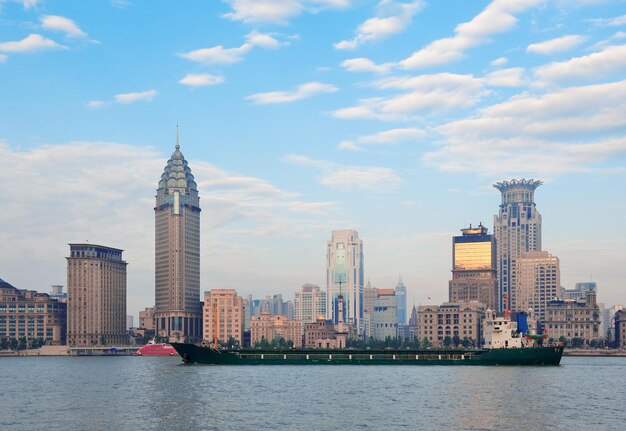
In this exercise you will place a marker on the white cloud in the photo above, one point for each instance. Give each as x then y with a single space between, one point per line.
201 80
336 176
63 24
218 54
263 40
303 91
557 45
610 22
500 61
96 104
30 4
3 58
392 18
497 17
512 77
278 11
611 59
365 65
127 98
385 137
31 43
91 193
428 94
570 130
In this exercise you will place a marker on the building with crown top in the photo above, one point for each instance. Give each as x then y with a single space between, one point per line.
177 308
517 229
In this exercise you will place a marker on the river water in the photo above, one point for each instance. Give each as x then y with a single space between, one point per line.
143 393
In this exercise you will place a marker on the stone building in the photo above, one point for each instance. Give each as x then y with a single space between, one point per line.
223 316
574 319
385 315
270 327
96 296
146 318
32 315
463 320
620 329
318 330
538 281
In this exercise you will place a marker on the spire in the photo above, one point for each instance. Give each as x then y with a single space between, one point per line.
177 144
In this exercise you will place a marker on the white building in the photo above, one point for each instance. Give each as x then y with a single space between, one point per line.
344 274
309 303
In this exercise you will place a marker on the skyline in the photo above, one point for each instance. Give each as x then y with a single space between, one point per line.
394 121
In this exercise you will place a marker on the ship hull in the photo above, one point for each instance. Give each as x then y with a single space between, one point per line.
191 353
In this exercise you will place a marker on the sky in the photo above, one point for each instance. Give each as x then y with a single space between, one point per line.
299 117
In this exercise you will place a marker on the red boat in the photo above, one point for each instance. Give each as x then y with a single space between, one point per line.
156 349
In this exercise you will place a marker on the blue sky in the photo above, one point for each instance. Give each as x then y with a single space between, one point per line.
303 116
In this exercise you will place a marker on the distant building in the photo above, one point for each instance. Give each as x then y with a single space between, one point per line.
580 290
316 331
401 301
146 318
177 309
608 316
56 292
269 327
538 281
474 268
129 322
412 327
620 329
385 315
309 303
517 229
222 316
96 296
463 320
574 318
344 274
32 315
369 296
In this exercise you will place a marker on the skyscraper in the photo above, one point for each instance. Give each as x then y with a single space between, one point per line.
309 303
344 272
538 281
517 228
401 301
96 296
474 268
178 310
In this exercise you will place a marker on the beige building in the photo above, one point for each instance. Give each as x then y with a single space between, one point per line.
32 315
223 316
574 318
474 268
269 327
320 330
449 320
538 281
146 318
177 309
96 296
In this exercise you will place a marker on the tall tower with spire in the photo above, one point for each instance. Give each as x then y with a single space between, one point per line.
517 228
178 311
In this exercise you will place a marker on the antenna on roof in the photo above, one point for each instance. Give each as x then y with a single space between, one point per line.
177 144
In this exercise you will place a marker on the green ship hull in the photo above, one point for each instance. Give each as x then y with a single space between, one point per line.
522 356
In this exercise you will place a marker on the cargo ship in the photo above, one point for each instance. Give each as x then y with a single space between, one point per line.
506 346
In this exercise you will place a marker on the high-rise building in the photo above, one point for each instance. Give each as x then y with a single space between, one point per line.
177 309
96 296
385 315
517 229
401 301
223 316
344 275
474 268
538 282
309 303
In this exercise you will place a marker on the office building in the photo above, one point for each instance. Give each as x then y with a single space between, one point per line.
269 327
571 318
385 315
400 294
474 268
538 281
223 317
517 229
96 296
449 320
31 315
177 309
344 275
309 304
